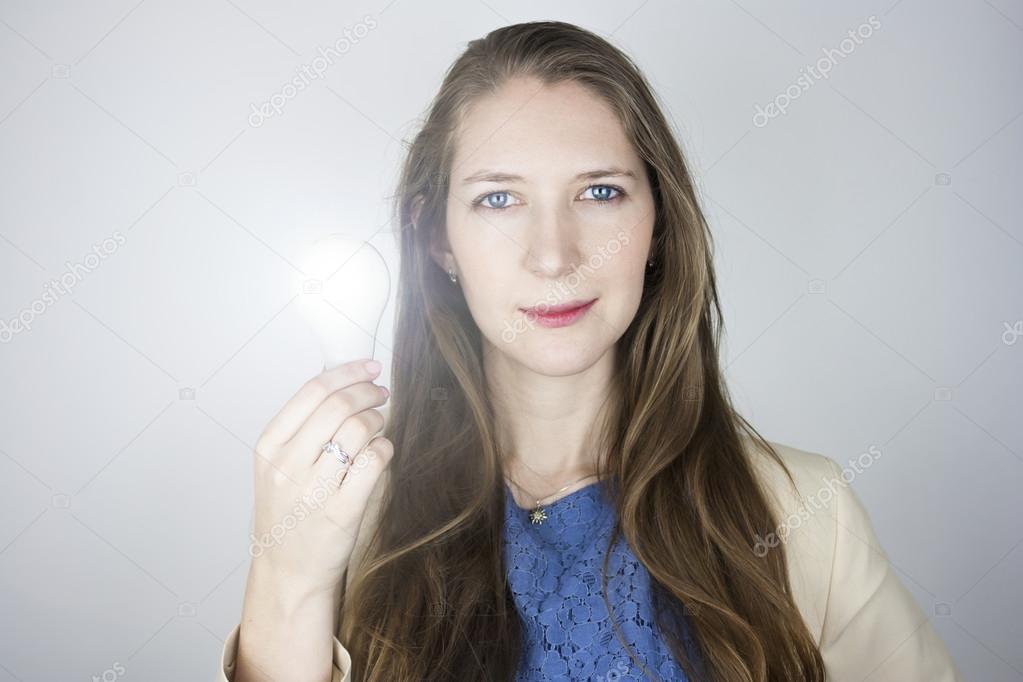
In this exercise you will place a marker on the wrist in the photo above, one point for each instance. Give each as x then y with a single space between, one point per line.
291 595
287 627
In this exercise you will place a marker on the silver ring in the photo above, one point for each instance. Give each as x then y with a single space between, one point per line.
332 448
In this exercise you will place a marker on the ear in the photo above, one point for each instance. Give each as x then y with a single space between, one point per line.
441 253
440 250
416 209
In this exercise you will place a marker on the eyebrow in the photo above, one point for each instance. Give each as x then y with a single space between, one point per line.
498 176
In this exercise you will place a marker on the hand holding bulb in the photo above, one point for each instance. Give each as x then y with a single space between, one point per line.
309 502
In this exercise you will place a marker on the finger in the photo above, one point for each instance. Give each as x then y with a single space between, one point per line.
286 423
324 422
353 436
361 480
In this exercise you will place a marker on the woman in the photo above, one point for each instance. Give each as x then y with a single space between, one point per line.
565 490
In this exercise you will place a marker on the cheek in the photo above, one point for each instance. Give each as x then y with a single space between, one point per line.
477 245
618 260
623 244
488 269
489 285
621 281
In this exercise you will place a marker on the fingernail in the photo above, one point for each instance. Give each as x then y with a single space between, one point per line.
387 393
373 366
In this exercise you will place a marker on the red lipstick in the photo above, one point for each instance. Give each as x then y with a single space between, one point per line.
560 315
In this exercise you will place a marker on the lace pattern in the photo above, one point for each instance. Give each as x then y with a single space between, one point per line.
554 571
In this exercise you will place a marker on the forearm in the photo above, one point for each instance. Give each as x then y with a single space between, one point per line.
287 632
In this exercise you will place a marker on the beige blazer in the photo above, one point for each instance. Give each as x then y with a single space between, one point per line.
866 623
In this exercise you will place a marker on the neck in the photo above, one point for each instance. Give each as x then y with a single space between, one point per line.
546 424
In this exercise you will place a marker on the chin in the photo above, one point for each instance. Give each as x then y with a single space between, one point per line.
558 358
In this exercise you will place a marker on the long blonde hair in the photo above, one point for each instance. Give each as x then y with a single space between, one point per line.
431 599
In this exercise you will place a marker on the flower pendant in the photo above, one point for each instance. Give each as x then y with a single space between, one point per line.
538 515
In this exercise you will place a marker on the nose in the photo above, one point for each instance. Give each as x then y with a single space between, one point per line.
553 247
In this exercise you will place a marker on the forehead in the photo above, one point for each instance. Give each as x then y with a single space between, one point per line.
536 129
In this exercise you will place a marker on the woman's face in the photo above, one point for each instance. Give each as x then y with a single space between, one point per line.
549 204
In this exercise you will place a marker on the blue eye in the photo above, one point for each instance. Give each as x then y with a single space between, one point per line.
490 205
602 197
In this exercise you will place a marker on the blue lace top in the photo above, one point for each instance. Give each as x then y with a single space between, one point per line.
554 571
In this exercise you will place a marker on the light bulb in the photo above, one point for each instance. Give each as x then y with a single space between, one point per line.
342 292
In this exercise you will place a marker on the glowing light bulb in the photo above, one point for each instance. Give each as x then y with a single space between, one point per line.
342 292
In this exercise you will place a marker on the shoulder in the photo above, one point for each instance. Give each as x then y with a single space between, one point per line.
806 522
865 621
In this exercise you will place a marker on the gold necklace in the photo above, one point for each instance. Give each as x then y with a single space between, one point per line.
538 514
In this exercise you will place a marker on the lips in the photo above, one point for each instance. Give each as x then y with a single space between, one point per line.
560 308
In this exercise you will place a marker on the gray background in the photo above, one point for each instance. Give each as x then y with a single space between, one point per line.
870 256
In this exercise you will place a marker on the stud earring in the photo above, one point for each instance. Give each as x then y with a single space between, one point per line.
650 263
451 275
